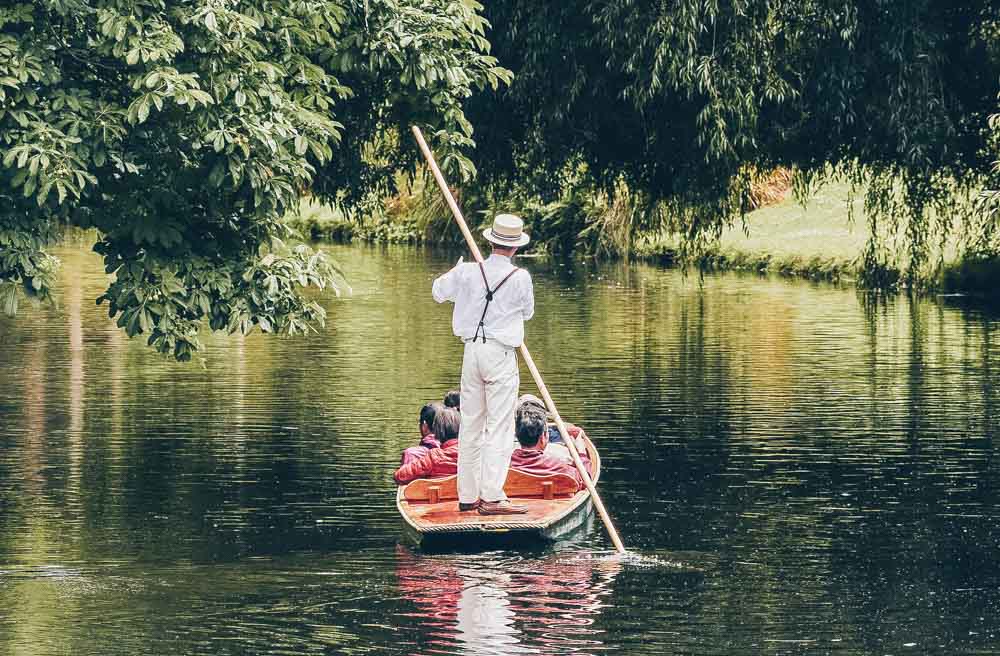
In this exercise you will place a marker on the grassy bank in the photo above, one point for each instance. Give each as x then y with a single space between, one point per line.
820 241
817 241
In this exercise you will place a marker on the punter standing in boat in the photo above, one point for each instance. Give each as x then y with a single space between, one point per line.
492 301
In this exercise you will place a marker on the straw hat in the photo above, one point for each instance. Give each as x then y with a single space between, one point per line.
507 230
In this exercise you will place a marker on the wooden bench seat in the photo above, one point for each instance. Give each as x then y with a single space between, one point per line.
518 485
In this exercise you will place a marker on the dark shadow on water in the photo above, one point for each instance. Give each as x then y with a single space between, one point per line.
986 307
523 542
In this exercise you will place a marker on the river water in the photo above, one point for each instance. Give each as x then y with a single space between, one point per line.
805 469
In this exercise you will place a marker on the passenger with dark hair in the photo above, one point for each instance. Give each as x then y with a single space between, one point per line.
436 462
556 447
428 440
453 399
532 434
427 414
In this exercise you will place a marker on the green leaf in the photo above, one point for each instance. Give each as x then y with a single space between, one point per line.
172 285
43 193
131 318
145 321
9 299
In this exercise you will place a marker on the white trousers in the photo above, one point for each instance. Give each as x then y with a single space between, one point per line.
489 392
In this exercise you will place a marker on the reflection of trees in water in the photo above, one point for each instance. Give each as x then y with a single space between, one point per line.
917 527
631 352
859 451
496 604
75 428
991 380
34 612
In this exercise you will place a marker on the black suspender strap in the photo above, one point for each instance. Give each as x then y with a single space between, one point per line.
489 297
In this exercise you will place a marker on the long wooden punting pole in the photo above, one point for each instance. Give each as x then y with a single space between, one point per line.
524 349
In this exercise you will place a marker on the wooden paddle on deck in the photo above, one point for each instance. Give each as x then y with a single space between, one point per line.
570 444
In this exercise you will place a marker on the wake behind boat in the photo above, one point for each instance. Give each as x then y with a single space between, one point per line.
555 509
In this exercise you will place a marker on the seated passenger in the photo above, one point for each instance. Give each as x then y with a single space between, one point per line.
436 462
453 399
428 440
531 458
556 447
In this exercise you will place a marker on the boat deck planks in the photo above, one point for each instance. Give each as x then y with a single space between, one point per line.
446 513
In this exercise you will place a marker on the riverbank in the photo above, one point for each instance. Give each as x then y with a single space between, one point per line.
823 240
826 240
817 241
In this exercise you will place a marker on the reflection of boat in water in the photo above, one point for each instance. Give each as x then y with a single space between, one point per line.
496 604
556 509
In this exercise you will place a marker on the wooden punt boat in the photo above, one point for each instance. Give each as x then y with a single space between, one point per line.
556 509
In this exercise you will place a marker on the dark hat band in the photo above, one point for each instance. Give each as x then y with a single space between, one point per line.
503 237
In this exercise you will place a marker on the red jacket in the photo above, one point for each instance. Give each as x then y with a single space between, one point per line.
427 442
434 464
533 461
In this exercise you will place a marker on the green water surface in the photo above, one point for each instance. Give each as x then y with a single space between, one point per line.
809 469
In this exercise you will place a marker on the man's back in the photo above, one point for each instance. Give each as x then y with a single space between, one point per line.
512 305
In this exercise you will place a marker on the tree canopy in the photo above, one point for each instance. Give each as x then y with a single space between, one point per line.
183 131
685 101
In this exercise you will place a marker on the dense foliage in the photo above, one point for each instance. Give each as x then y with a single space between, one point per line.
989 200
183 131
685 102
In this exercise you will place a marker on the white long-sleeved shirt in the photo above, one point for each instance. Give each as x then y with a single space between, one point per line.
511 306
